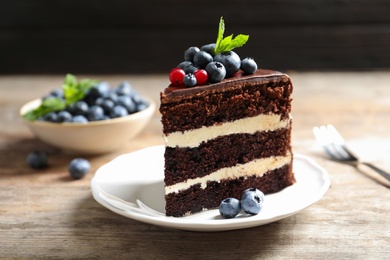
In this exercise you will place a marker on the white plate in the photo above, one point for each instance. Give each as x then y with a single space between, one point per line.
132 185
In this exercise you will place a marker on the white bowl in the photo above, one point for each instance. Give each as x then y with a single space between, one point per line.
93 137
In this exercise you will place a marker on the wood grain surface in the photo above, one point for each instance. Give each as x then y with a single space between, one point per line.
46 214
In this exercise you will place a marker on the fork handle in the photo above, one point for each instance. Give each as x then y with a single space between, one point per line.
380 171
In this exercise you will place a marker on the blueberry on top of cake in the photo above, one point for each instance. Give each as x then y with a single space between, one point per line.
227 128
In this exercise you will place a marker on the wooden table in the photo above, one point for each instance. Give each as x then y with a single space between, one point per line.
46 214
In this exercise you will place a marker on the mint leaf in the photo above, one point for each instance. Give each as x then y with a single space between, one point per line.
228 43
224 44
221 31
73 92
85 84
238 41
50 104
70 80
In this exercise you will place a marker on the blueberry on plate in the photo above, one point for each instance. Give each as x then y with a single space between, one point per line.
229 208
78 168
252 201
37 159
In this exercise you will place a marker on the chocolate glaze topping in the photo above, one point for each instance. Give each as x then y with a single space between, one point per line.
172 93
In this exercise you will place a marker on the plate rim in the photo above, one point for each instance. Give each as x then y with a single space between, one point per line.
207 225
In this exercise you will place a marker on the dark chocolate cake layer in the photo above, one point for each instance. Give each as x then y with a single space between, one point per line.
224 151
232 99
195 198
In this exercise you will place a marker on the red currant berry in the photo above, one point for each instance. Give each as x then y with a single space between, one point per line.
176 76
201 77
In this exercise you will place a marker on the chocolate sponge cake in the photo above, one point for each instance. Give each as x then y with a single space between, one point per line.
225 137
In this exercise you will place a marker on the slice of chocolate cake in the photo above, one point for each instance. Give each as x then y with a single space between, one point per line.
225 137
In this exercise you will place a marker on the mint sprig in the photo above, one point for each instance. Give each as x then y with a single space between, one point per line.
51 104
228 43
73 92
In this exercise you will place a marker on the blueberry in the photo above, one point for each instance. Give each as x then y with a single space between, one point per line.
89 100
80 119
46 97
252 201
80 108
118 111
95 113
37 159
190 80
51 117
229 208
248 66
57 93
105 117
216 71
137 98
190 69
107 105
100 89
123 89
202 58
141 106
70 108
78 168
187 66
112 95
128 103
99 101
230 60
184 64
209 48
190 53
64 116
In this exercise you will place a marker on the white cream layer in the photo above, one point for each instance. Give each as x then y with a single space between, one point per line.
250 125
257 167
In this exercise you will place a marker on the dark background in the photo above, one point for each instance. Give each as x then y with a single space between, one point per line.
150 36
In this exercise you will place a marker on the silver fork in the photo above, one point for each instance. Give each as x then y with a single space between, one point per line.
335 147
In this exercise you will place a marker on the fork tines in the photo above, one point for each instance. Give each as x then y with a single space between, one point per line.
333 143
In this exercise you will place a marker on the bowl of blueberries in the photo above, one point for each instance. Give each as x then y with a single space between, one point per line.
88 116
